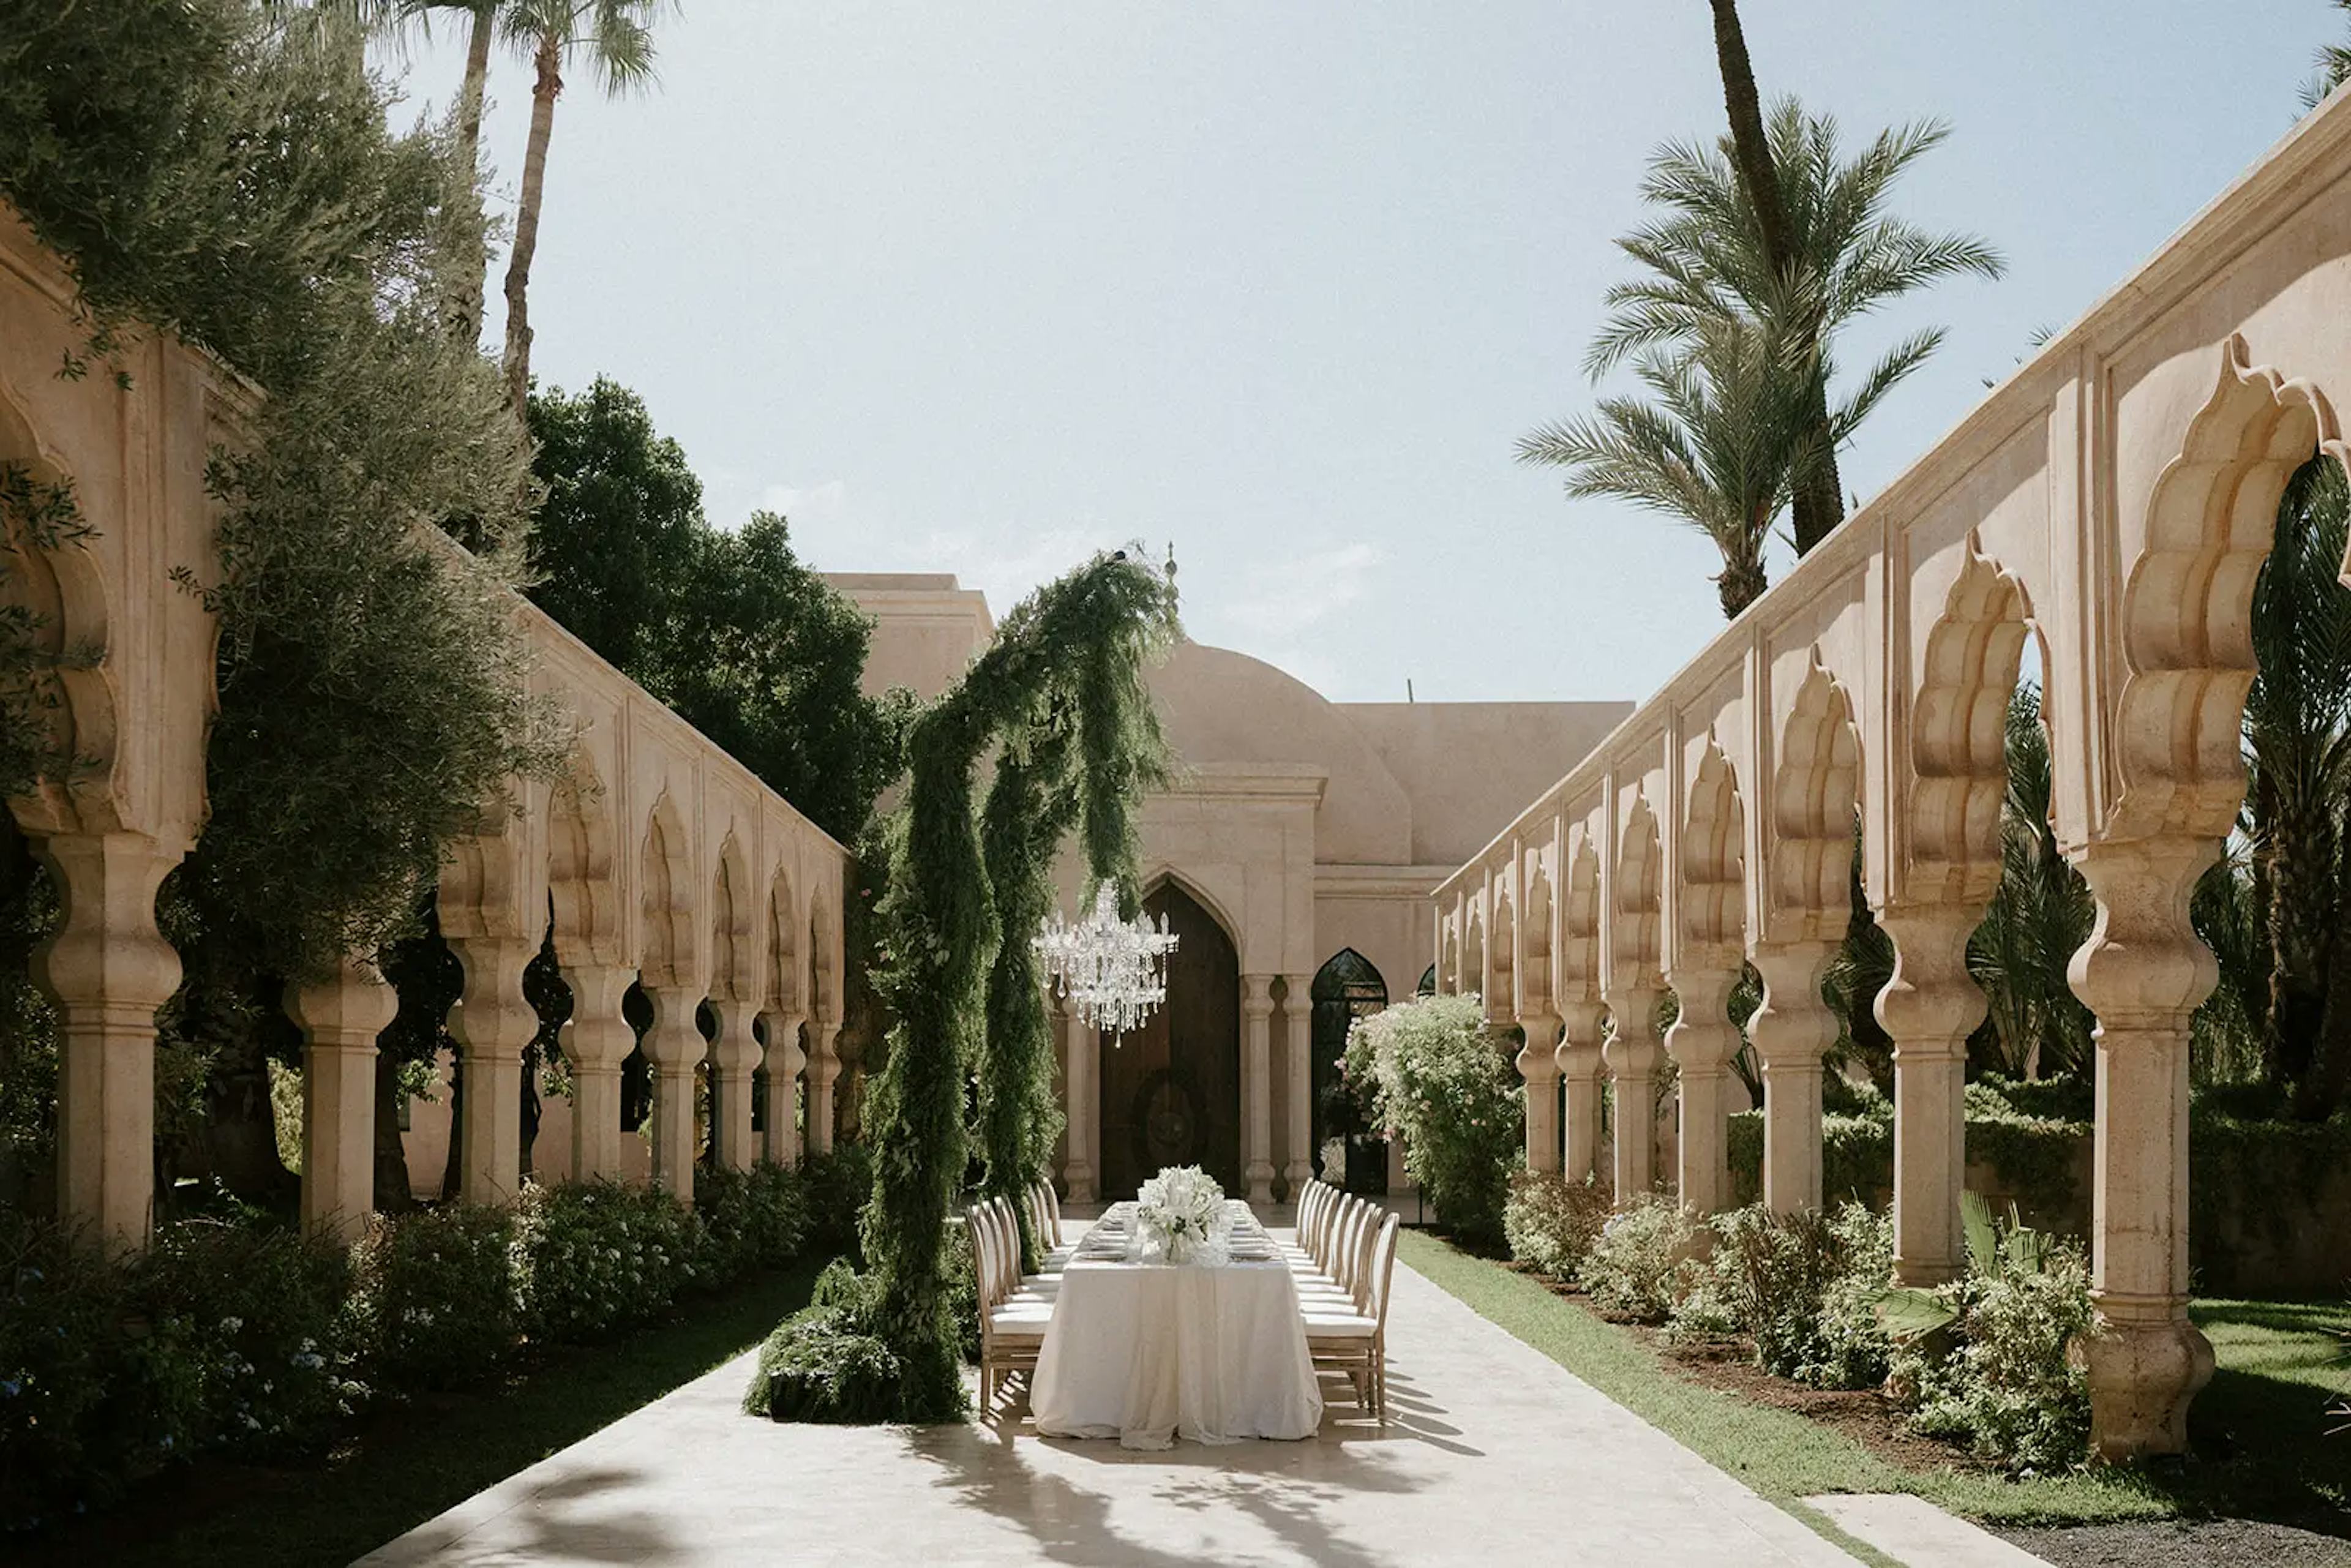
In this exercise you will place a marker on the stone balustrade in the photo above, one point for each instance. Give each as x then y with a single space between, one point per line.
2109 505
659 860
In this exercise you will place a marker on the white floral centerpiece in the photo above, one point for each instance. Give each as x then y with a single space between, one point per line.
1180 1217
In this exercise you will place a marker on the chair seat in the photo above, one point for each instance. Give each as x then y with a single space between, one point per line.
1017 1324
1340 1325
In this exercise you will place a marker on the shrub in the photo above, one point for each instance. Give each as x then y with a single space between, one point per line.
2008 1390
1853 1347
433 1301
1446 1080
751 1219
221 1335
1642 1264
1767 1277
819 1366
839 1182
960 1293
591 1257
1550 1222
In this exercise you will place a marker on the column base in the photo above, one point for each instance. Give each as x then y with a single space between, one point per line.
2143 1376
1261 1181
1081 1182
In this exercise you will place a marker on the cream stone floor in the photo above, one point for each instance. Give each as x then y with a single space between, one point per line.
1492 1455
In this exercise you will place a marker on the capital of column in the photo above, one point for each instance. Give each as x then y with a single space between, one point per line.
1932 1004
1538 1058
785 1057
1794 1027
1703 1040
1632 1046
1578 1053
1256 995
824 1061
596 1038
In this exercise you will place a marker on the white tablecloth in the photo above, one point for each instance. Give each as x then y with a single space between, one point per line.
1146 1352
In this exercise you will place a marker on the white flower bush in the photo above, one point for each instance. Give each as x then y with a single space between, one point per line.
1180 1217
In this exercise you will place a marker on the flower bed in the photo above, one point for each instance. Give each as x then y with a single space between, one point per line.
233 1334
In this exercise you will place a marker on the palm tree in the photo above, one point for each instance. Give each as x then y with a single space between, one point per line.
1729 440
2297 731
1710 257
2042 913
2333 68
616 36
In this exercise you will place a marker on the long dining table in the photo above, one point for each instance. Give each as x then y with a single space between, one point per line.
1149 1351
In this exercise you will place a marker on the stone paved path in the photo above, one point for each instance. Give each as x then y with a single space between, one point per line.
1493 1455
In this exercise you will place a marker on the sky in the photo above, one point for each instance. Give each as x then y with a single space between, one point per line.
984 286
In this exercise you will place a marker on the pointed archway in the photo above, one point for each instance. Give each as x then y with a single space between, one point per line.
1171 1092
1347 987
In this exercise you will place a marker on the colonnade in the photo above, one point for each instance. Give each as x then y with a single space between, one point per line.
659 860
2097 523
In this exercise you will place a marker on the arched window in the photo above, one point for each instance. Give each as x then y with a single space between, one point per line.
1346 989
1427 987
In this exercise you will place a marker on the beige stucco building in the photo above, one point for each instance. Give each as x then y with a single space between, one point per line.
1300 839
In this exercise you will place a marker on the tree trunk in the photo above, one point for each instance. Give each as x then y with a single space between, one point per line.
548 61
1818 505
393 1193
2301 921
1742 582
465 297
2320 1092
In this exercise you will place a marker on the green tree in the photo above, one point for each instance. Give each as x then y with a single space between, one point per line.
616 38
1728 438
2333 68
2040 916
1709 259
731 629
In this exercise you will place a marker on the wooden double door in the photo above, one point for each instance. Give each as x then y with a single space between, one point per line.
1171 1092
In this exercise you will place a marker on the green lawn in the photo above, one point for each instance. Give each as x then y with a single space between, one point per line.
405 1465
2258 1428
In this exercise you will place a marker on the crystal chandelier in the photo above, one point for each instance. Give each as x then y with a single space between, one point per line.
1111 972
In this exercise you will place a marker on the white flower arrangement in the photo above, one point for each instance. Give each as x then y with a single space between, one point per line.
1180 1217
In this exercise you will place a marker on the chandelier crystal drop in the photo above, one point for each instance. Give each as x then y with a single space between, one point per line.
1112 973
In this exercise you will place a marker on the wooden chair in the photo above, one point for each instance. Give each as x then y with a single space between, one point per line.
1356 1341
1012 1321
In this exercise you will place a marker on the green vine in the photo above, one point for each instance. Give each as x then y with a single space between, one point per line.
1060 698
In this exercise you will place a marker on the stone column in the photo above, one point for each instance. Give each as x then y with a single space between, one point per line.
2143 971
1929 1007
595 1041
1578 1058
1081 1050
1632 1055
1792 1032
1256 1069
493 1020
781 1143
108 968
823 1070
733 1056
674 1047
1297 1012
341 1017
1702 1042
1537 1064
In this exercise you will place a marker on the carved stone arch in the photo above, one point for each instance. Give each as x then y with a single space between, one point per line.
1449 981
1473 946
582 878
823 993
1500 935
64 591
2187 646
1814 799
1537 981
734 963
787 979
1638 911
1164 875
1959 733
1578 979
1713 902
481 873
667 948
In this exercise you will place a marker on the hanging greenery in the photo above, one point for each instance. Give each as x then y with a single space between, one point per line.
1060 697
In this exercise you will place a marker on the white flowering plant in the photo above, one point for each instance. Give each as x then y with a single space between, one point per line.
1445 1081
1180 1217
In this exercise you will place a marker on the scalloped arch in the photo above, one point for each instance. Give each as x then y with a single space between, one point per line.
2188 601
667 956
786 992
1959 731
1814 799
1639 884
1714 897
734 966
